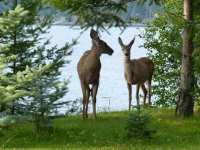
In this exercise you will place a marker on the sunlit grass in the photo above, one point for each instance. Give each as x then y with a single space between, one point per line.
107 133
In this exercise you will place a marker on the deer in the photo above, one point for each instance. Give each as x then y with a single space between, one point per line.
88 69
137 72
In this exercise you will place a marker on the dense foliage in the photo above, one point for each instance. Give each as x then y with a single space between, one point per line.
164 44
12 85
163 40
99 13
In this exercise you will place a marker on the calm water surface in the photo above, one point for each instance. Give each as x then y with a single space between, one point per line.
112 94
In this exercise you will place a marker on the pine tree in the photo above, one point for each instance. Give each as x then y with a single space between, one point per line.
30 48
12 85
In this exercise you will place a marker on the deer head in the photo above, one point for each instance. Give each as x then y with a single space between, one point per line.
126 48
99 44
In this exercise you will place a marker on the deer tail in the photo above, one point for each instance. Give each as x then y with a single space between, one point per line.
90 91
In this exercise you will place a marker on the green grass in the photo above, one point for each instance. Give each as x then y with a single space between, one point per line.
107 133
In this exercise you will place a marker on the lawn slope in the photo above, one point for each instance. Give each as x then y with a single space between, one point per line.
106 133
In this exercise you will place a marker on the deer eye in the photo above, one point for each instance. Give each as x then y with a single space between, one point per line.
104 45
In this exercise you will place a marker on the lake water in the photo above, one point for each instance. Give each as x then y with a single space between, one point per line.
113 93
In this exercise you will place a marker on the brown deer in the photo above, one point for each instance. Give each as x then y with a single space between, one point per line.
88 68
137 71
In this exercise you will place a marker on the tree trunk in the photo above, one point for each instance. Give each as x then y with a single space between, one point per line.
185 102
14 63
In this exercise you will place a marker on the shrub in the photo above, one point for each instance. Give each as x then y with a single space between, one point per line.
138 125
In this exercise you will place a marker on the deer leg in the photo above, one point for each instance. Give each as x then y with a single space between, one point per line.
149 92
94 94
87 100
84 98
129 95
137 95
145 93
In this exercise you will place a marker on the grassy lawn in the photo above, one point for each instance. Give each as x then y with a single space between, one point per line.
107 133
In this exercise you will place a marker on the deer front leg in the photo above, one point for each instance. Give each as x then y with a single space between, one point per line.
94 94
137 95
129 95
145 93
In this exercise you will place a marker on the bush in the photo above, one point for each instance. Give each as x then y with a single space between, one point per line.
138 125
43 125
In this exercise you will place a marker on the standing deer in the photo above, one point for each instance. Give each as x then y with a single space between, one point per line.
137 71
88 68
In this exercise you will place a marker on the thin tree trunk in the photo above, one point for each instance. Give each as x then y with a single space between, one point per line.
185 102
14 63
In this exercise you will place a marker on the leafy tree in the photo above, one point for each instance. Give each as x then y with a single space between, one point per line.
164 41
185 103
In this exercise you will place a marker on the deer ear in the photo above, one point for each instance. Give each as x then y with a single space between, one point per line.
94 34
120 42
131 43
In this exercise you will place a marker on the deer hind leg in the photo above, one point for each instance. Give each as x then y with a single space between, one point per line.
94 94
149 92
83 87
145 92
129 95
137 95
87 96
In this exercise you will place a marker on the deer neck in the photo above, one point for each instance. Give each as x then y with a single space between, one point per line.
96 52
128 64
127 59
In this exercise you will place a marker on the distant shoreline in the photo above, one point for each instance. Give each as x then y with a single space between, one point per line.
71 25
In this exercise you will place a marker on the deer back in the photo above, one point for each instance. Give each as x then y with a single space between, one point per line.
89 67
139 70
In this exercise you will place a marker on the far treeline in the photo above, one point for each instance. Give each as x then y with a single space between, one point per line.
30 69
